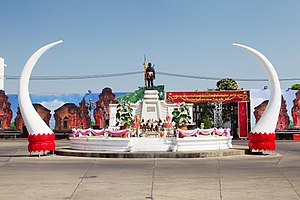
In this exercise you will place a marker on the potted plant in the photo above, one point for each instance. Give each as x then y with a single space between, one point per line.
181 116
124 116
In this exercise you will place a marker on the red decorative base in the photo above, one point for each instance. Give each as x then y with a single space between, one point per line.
41 142
262 141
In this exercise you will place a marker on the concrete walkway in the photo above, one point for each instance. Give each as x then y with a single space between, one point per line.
238 177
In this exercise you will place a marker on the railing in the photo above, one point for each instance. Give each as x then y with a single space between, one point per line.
10 134
105 132
212 131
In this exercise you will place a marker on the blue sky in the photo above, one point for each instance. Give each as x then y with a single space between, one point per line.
192 37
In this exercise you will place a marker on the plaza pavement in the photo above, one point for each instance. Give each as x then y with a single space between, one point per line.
253 177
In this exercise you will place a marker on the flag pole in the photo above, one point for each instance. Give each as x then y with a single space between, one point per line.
145 65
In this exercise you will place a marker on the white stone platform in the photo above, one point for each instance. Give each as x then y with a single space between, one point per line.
204 143
136 144
100 143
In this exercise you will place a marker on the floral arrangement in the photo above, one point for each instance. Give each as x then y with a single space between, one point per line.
124 116
181 116
137 122
168 123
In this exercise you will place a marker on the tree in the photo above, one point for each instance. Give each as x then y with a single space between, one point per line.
227 84
137 95
181 116
295 86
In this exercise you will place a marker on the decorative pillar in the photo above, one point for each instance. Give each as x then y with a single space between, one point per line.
243 119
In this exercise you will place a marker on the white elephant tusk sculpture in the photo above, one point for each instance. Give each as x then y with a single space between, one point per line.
262 136
40 137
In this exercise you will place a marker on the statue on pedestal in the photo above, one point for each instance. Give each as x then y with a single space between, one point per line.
150 75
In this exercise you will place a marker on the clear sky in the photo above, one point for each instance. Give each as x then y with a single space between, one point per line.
190 37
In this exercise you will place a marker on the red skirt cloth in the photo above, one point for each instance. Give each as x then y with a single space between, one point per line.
41 142
262 141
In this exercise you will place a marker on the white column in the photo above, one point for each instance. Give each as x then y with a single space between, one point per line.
2 65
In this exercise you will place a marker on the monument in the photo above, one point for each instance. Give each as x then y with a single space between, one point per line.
41 137
150 75
150 108
146 131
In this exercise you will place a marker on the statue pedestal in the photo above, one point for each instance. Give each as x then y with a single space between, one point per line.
151 107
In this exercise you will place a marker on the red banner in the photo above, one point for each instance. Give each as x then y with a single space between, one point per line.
242 119
207 96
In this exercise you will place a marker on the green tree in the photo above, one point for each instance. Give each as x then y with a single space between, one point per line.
207 122
137 95
295 86
227 84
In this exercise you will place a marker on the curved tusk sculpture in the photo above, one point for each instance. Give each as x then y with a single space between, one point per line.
40 137
263 135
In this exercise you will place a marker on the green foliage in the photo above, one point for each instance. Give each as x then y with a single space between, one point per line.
295 86
124 115
227 112
92 123
138 95
181 116
227 84
12 124
207 122
204 110
291 124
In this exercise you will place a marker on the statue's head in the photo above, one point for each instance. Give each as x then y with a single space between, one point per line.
149 64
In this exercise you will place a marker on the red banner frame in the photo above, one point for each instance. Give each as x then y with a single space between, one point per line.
208 96
242 97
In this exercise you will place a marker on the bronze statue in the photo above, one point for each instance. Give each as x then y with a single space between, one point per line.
150 74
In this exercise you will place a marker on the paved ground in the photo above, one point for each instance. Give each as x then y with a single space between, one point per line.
239 177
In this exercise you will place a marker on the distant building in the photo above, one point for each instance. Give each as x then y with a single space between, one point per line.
101 112
70 116
283 118
296 110
44 113
5 111
84 119
66 117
